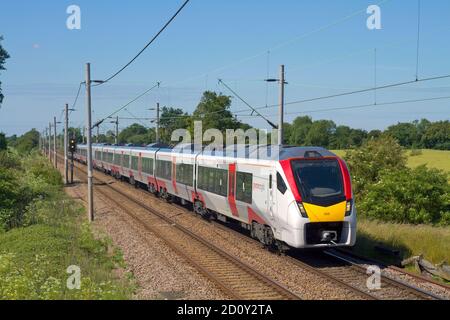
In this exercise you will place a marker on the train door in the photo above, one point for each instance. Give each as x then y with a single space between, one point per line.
271 197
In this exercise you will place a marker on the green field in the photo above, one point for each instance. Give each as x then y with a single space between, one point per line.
432 158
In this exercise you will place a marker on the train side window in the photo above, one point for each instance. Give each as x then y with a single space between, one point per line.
222 182
213 180
117 159
281 185
201 178
270 182
126 161
164 169
147 165
184 174
134 163
244 183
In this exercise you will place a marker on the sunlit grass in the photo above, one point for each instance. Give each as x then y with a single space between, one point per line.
432 158
431 242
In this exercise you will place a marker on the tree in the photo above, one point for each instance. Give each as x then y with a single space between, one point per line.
3 142
320 133
134 130
287 129
437 136
172 119
405 133
214 113
299 130
75 132
374 134
357 137
3 56
373 157
28 141
341 138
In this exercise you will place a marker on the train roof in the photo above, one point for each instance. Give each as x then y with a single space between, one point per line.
266 152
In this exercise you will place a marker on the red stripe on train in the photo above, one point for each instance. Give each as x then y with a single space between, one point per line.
231 189
174 175
253 216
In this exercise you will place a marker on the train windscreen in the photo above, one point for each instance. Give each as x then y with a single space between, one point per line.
319 181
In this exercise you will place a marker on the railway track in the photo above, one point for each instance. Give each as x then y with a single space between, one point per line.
340 267
329 265
233 277
362 260
351 275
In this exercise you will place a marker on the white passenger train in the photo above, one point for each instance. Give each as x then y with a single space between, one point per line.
302 198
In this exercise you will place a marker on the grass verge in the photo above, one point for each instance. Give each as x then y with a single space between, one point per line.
410 240
49 242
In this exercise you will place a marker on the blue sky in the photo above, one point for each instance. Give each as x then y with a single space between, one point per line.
323 53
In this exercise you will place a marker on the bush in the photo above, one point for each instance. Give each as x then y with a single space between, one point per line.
373 157
415 152
9 160
417 196
22 183
3 144
41 234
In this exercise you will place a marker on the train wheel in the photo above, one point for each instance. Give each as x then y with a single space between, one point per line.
200 209
263 234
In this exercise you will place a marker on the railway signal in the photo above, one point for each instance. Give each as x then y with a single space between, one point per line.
72 145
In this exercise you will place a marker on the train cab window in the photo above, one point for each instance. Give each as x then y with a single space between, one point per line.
185 174
244 183
147 165
281 185
164 169
126 161
134 163
319 181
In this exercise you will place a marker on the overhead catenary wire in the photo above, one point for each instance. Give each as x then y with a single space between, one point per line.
392 85
377 88
146 46
360 106
136 118
248 105
127 104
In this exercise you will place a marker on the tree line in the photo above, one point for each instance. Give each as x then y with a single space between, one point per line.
214 112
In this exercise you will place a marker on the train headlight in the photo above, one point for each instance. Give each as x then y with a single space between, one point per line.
302 210
348 208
